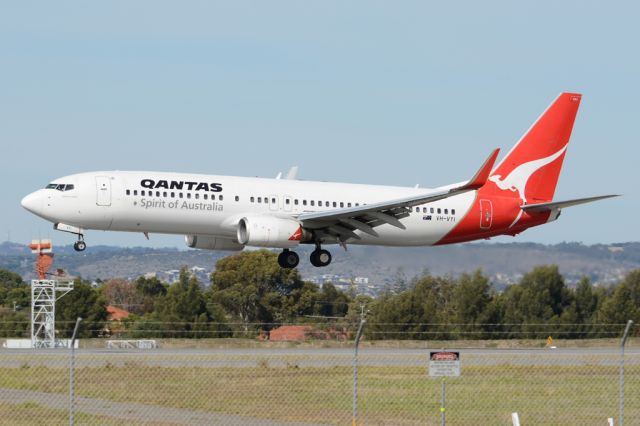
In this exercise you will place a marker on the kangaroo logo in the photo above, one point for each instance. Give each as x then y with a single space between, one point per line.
516 181
518 178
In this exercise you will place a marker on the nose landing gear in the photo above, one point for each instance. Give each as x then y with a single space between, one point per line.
80 245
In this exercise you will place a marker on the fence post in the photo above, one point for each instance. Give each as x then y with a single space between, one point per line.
354 417
72 368
621 396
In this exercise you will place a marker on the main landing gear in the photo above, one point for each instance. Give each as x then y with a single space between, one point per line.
320 257
290 259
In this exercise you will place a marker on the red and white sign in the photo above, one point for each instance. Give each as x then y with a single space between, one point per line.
444 364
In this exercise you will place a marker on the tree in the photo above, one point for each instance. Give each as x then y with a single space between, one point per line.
471 295
585 301
184 301
427 302
151 290
85 302
10 281
123 294
253 288
624 303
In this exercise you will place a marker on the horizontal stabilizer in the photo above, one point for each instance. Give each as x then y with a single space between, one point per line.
555 205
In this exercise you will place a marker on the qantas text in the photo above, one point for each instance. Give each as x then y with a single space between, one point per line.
180 185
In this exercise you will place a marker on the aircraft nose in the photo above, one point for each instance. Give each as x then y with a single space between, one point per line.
32 202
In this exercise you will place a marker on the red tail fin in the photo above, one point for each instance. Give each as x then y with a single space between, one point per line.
533 166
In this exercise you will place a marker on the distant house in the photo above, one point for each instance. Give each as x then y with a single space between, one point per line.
116 314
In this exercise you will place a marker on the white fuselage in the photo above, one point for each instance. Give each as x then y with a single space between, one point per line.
141 202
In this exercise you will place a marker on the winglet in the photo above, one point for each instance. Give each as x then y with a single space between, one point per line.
480 178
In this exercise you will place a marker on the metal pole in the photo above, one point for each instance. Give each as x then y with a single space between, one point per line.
443 415
621 397
354 417
72 368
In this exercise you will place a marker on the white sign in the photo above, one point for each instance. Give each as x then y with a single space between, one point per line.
444 364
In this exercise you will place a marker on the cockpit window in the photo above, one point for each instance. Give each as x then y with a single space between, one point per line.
60 186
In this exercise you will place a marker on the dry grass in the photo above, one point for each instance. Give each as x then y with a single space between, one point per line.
483 395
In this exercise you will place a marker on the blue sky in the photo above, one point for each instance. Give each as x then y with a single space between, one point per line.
363 91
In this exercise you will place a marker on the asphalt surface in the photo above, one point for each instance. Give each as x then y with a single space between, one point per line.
312 357
132 412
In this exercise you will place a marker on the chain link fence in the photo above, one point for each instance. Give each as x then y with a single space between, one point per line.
249 381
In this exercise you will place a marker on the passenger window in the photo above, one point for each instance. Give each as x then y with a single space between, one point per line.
142 193
326 204
220 197
431 209
335 204
417 209
197 196
312 202
273 201
252 199
164 194
446 211
348 204
453 211
173 195
357 204
237 198
295 202
206 196
439 210
287 201
260 199
188 195
128 192
424 210
341 204
180 194
157 193
304 202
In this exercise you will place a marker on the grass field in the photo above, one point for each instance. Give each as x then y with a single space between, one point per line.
549 394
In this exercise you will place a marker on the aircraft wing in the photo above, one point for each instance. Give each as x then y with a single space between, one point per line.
546 207
341 223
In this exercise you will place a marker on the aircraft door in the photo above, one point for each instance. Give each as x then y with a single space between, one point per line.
103 188
486 214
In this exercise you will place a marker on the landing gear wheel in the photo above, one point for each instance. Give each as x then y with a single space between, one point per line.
80 246
288 259
320 257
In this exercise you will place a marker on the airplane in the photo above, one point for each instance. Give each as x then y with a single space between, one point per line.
230 213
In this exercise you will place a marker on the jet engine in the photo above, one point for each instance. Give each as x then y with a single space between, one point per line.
270 231
209 242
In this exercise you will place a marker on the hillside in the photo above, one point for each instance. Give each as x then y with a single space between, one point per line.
504 263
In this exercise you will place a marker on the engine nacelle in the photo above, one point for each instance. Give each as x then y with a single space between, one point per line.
209 242
270 231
